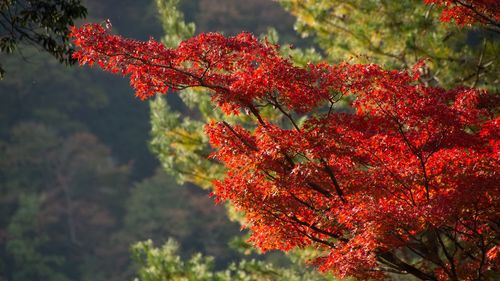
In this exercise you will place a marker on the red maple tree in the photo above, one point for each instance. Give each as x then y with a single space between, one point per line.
408 183
464 12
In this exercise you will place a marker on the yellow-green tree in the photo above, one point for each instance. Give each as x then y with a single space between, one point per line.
164 263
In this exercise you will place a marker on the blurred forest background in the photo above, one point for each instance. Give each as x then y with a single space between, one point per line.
78 185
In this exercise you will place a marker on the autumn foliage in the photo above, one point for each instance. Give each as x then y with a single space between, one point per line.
464 12
406 183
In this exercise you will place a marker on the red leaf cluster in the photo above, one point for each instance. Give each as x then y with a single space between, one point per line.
464 12
414 169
